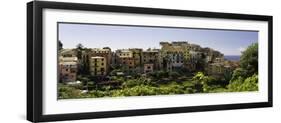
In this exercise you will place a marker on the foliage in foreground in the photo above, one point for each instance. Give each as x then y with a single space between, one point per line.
144 87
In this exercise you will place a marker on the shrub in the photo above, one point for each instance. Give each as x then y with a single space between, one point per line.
249 59
248 84
66 92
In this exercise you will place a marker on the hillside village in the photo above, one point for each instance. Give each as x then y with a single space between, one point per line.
102 62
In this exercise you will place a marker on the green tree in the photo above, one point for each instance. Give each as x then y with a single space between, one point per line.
245 78
86 62
91 85
174 74
249 59
60 45
130 83
207 84
238 72
79 49
200 63
83 79
200 82
248 84
66 92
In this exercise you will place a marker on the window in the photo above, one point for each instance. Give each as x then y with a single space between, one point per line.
66 69
72 70
102 64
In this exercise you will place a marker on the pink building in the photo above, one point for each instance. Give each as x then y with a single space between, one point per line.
68 69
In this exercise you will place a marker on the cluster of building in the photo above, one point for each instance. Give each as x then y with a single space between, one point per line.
169 57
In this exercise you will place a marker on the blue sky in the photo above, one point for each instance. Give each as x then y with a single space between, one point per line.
229 42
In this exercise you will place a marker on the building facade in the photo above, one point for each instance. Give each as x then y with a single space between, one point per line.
124 57
171 56
148 68
68 69
137 56
151 56
174 55
98 66
96 52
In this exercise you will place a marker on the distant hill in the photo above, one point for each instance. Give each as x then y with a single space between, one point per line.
232 57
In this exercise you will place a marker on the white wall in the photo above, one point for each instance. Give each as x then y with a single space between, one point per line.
13 61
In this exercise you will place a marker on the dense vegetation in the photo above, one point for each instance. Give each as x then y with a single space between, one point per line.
244 78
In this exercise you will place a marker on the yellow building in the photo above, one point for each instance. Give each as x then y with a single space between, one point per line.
97 52
137 56
98 66
174 54
104 52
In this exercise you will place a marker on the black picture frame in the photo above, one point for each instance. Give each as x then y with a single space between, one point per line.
34 60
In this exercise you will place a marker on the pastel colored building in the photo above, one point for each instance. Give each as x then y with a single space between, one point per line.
98 66
97 52
137 56
68 69
104 52
173 55
151 56
124 57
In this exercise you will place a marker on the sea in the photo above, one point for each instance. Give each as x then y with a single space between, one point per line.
232 57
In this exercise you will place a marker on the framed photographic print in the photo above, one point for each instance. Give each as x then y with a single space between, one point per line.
95 61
